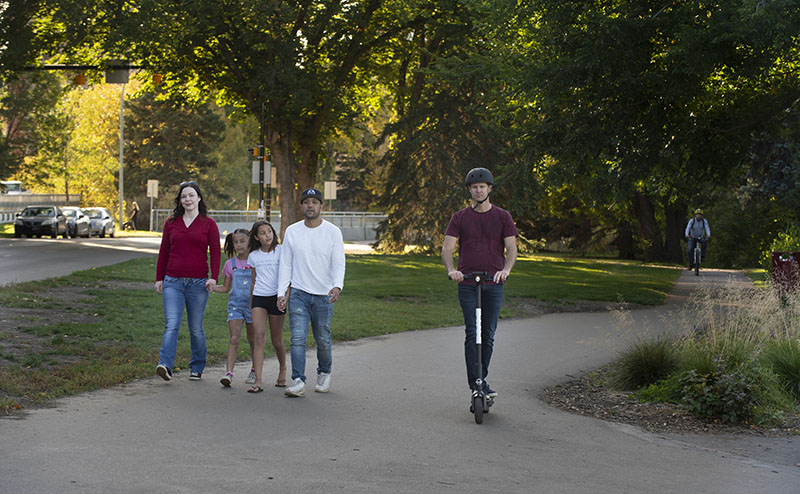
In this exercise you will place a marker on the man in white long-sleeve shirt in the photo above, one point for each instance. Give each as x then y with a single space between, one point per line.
312 262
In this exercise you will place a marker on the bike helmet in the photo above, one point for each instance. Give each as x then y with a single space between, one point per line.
478 175
698 211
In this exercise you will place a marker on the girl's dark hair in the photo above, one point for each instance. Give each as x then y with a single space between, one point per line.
201 207
254 243
229 240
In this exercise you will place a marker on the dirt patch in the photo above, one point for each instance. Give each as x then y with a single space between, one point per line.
528 307
588 395
17 344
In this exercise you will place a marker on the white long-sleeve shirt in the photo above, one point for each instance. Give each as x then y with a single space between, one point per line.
312 259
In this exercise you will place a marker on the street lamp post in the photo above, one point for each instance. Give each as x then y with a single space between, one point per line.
118 73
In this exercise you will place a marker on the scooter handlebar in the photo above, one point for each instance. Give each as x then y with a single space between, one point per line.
478 276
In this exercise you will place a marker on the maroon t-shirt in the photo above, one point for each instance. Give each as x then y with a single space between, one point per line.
481 238
187 252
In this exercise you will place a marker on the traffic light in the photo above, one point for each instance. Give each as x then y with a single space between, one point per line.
157 78
79 79
256 151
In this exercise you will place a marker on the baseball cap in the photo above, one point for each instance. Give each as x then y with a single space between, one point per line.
312 192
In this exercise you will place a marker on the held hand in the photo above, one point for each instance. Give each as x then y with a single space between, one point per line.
500 276
456 276
159 287
333 295
210 285
281 303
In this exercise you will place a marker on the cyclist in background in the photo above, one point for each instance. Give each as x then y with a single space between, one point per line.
697 230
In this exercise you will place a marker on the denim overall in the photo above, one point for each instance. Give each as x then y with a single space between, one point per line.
239 298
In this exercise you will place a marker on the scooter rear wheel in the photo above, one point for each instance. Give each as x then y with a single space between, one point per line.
477 408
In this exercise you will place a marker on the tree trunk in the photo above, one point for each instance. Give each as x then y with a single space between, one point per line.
648 227
295 173
675 216
626 249
283 161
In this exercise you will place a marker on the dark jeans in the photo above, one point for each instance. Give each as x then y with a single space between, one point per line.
692 242
491 300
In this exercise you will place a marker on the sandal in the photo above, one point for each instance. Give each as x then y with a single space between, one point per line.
281 382
255 389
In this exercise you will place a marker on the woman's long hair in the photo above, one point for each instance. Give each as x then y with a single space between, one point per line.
254 243
201 207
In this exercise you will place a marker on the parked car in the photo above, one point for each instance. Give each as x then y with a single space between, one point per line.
41 220
78 223
101 222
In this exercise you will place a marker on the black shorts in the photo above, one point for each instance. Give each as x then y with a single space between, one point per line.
270 304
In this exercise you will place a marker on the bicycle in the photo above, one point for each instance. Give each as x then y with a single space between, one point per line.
480 402
698 255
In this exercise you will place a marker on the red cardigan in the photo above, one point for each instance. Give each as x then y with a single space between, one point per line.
184 251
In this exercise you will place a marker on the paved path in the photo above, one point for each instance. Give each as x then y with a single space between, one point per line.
396 420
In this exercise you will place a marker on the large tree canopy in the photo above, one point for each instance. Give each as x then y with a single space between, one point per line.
657 103
300 67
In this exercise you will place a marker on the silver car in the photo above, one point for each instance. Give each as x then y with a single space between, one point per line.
101 222
78 224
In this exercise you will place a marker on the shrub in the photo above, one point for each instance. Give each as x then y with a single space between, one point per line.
740 394
786 241
783 357
664 391
644 363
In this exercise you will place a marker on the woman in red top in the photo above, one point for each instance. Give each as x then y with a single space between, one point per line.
182 277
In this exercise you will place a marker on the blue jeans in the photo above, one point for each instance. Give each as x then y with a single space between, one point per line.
177 293
316 309
692 242
491 300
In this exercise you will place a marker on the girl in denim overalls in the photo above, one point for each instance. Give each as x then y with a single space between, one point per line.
238 279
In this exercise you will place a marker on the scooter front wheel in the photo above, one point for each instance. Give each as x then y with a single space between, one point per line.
477 408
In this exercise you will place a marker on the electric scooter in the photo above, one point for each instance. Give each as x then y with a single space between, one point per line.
480 401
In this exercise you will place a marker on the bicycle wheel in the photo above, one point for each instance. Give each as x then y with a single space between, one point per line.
477 408
697 262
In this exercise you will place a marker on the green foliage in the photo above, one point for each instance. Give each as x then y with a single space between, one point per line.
726 396
786 241
667 390
170 143
783 357
645 362
747 392
31 124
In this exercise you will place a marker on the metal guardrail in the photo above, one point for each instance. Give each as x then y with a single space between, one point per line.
8 216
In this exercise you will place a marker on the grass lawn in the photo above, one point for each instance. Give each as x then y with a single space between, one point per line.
103 326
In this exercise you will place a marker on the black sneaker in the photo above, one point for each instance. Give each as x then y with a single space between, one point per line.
195 376
489 391
162 371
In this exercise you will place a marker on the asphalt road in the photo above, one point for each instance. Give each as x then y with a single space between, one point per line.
30 259
396 420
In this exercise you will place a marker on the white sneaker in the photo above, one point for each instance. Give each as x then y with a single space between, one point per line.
297 389
323 382
251 378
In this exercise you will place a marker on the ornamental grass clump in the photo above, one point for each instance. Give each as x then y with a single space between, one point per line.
736 359
783 357
645 362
